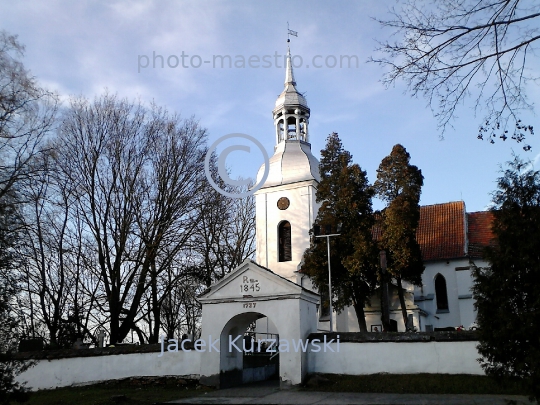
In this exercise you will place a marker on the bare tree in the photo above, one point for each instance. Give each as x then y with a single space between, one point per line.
27 114
102 155
181 312
208 239
222 239
240 236
56 269
451 50
166 212
10 389
46 221
137 173
224 236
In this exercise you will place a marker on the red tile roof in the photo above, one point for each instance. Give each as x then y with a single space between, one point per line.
480 233
441 231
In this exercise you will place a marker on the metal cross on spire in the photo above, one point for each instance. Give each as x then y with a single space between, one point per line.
290 32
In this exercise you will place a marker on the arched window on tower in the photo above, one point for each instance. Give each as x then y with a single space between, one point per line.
440 293
281 131
284 235
291 128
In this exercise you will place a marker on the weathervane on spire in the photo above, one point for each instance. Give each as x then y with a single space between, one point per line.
290 32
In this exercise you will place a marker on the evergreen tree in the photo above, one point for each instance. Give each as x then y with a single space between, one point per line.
507 293
346 198
399 184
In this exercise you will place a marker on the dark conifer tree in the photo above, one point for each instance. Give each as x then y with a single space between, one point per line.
346 199
507 294
399 184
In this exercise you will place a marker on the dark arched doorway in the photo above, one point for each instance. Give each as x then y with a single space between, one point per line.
246 354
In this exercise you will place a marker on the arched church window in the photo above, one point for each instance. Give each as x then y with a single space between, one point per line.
284 234
440 292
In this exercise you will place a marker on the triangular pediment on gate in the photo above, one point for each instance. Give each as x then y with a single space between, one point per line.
253 282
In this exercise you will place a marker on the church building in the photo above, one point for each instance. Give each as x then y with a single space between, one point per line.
263 319
270 301
286 208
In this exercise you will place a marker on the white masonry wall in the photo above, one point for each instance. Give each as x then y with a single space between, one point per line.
352 358
397 358
47 374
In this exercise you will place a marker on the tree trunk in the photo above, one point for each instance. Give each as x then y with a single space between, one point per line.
360 315
139 333
156 306
402 302
114 322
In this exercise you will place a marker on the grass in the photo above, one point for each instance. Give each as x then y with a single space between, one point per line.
141 391
420 384
136 392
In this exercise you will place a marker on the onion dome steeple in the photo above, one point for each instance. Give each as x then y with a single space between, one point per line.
292 161
291 112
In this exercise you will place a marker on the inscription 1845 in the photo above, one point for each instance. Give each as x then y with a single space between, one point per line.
249 285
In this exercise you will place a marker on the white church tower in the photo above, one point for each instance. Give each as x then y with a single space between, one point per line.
285 204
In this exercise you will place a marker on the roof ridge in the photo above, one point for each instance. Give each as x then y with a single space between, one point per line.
446 203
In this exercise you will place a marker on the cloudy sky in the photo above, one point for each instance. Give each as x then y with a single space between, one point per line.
87 47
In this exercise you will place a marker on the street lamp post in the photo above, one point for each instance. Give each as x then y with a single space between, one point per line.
330 271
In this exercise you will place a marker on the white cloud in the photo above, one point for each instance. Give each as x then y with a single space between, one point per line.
84 47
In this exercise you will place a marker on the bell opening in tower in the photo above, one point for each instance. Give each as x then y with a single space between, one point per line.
303 131
281 131
291 128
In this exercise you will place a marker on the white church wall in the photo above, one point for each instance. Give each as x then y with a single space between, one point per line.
397 358
468 314
301 214
466 303
459 283
460 303
352 320
342 320
306 282
347 321
464 281
49 374
447 268
261 229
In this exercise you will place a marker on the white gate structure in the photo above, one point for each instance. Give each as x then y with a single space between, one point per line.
247 294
